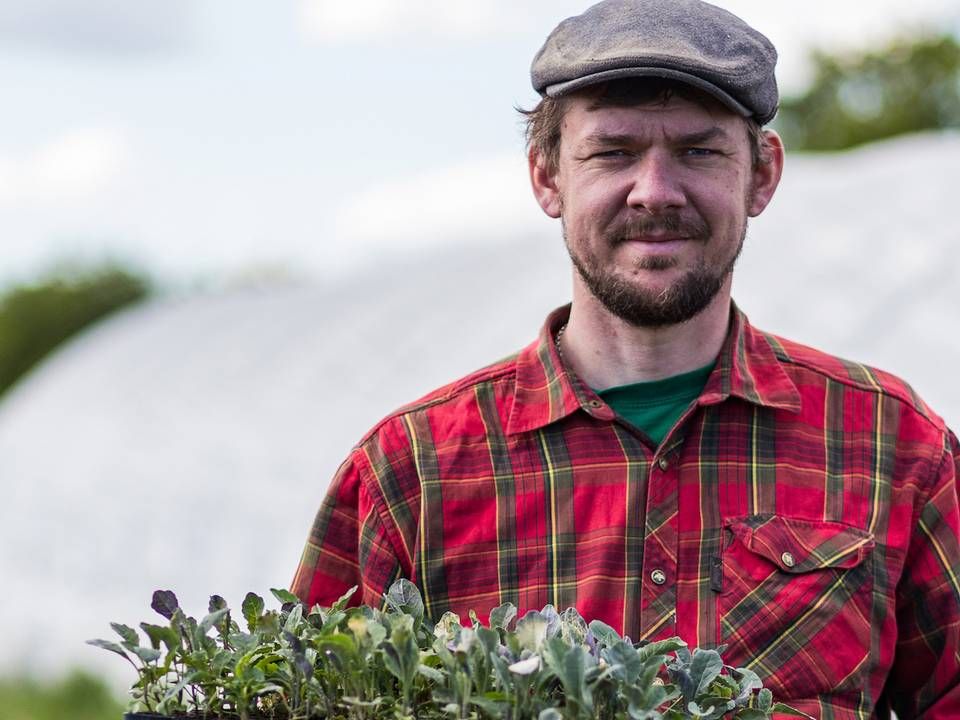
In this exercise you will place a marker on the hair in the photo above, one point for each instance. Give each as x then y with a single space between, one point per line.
544 122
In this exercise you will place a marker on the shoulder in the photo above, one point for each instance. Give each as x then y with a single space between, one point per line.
803 362
454 399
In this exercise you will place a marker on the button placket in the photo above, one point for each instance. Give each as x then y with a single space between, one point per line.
659 578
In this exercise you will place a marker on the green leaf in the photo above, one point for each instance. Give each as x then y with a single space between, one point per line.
294 619
748 681
300 662
699 712
643 704
269 624
489 639
684 679
284 596
625 661
787 710
212 619
242 642
724 686
431 673
765 700
663 647
750 714
161 634
128 634
165 603
502 615
333 620
531 631
367 704
493 704
216 603
252 609
526 667
448 628
111 646
573 628
716 706
342 601
146 654
604 634
377 632
401 656
569 664
340 647
706 666
404 597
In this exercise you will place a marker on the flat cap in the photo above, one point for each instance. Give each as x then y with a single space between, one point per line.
684 40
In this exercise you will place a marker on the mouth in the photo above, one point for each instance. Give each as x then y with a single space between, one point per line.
657 243
656 238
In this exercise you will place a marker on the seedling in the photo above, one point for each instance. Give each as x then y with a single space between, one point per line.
365 663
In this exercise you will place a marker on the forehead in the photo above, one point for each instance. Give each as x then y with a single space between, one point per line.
672 115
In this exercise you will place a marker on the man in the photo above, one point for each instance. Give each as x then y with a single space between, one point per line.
653 459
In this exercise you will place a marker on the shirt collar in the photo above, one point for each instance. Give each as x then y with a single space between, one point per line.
546 391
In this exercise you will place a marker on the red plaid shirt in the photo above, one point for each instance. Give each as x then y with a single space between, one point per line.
803 512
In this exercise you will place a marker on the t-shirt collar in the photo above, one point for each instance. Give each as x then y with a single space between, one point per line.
547 391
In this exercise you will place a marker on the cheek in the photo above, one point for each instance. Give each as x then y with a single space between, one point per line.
596 202
729 202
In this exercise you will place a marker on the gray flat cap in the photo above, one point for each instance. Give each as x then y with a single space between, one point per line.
684 40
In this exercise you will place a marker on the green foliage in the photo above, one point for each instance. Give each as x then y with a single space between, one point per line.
37 317
79 696
908 86
361 663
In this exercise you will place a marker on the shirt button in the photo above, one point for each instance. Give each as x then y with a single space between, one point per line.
594 403
658 576
663 463
787 559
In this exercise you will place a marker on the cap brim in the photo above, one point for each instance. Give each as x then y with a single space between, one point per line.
564 88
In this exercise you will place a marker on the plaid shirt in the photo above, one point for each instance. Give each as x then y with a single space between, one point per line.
803 512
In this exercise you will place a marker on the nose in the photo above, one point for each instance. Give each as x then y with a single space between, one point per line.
656 184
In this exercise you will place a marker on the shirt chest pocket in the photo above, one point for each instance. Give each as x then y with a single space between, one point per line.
795 602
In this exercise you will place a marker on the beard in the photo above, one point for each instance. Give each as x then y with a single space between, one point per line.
643 307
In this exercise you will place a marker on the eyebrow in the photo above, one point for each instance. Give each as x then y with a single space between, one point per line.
602 139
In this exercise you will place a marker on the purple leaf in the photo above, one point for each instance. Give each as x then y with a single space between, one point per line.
165 603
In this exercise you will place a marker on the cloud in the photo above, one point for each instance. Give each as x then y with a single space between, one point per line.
488 199
338 22
824 23
335 21
96 27
73 166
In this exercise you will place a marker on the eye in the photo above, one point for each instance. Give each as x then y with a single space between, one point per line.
699 152
610 154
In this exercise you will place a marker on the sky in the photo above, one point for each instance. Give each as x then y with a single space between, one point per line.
187 444
221 140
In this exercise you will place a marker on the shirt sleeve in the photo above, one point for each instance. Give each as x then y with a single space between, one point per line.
349 545
925 678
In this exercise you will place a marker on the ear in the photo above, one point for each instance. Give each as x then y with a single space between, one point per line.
766 176
545 188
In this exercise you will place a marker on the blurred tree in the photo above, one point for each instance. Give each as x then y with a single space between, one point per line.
36 317
79 696
910 85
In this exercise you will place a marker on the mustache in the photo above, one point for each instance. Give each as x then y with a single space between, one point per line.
694 228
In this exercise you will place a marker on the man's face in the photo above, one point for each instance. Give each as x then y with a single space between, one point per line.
654 201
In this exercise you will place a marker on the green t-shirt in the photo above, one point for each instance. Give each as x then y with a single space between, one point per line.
655 406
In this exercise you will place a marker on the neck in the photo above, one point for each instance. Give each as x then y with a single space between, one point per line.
606 351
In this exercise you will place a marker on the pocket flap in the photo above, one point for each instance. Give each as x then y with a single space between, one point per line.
799 546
